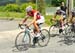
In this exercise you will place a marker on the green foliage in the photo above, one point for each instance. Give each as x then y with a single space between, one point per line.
17 1
18 8
24 5
1 8
12 7
51 3
74 3
47 19
7 15
57 2
33 1
41 6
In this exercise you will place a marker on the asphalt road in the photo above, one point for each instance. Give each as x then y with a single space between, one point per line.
9 30
6 25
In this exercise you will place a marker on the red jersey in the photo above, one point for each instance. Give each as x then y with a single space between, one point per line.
32 14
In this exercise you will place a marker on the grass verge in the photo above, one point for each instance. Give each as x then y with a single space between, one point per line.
17 15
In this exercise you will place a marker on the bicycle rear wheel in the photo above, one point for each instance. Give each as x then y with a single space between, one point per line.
68 32
45 37
22 41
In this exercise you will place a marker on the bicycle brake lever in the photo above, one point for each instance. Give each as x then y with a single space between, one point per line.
20 26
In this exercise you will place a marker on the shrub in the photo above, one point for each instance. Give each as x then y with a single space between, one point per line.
24 5
2 8
12 7
18 8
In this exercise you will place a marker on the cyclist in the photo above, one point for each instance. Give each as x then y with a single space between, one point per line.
62 15
72 19
37 19
72 15
63 6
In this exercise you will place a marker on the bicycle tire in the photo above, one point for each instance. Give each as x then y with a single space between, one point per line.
52 35
68 32
22 46
45 43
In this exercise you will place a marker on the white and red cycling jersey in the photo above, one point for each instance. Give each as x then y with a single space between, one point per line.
38 16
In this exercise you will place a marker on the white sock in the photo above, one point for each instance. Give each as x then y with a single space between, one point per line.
38 34
63 27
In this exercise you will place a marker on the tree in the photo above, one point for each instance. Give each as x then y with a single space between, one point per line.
41 6
57 2
17 1
34 1
74 3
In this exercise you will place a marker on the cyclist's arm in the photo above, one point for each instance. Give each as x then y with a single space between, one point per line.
55 15
34 19
71 17
25 19
54 18
61 17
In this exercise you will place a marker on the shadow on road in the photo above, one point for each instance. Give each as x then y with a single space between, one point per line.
67 40
20 48
24 48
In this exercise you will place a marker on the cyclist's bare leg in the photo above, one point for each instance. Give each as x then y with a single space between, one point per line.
71 19
62 21
36 27
36 30
61 25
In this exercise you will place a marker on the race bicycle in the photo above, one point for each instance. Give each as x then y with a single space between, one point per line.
23 39
68 32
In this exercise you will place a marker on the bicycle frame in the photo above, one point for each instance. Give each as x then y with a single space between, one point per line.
28 31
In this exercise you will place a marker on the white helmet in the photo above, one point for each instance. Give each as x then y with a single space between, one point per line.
58 8
29 8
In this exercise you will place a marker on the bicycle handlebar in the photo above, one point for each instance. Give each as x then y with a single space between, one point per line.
20 25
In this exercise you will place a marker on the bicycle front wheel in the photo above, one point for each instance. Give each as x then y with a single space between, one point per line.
53 31
45 37
22 41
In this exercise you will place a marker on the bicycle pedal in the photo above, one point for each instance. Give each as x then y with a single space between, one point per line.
43 37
